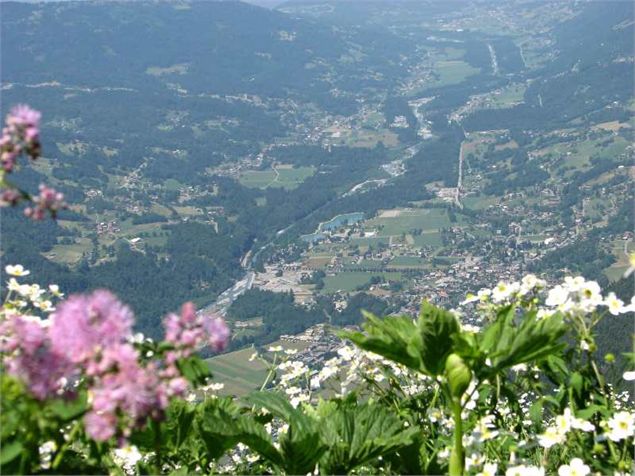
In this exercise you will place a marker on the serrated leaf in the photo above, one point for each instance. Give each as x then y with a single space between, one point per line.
437 330
221 426
195 370
301 446
533 340
359 434
394 338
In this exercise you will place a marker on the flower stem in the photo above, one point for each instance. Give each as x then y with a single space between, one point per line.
457 457
71 439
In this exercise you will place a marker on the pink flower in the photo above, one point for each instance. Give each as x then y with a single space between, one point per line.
21 134
10 197
85 324
122 386
188 332
184 332
30 357
217 333
100 426
49 200
23 116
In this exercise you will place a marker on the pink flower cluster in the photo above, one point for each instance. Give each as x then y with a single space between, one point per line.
21 134
49 200
89 338
190 332
25 339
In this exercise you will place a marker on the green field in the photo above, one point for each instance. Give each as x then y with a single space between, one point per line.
348 281
285 177
452 72
408 262
427 219
240 375
509 96
428 239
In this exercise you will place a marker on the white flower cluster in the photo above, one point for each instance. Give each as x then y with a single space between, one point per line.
563 424
504 293
22 297
578 296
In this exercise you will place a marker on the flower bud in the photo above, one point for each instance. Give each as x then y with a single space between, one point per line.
458 374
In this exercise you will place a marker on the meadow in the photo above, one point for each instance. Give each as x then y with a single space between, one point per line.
280 176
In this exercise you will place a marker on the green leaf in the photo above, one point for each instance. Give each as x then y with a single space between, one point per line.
394 338
534 339
535 413
69 409
195 370
497 334
359 434
10 451
179 422
437 329
302 446
591 410
221 427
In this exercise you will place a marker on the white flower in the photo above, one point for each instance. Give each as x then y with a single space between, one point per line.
45 306
563 422
615 305
277 348
298 399
35 292
489 469
46 451
470 328
127 458
574 284
504 291
253 356
329 369
291 351
529 283
13 285
630 375
469 298
583 425
475 459
213 387
575 468
16 270
293 369
557 296
590 295
482 431
523 470
621 426
519 368
293 390
55 290
550 437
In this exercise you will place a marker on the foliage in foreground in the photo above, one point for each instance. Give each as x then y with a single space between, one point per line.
509 384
